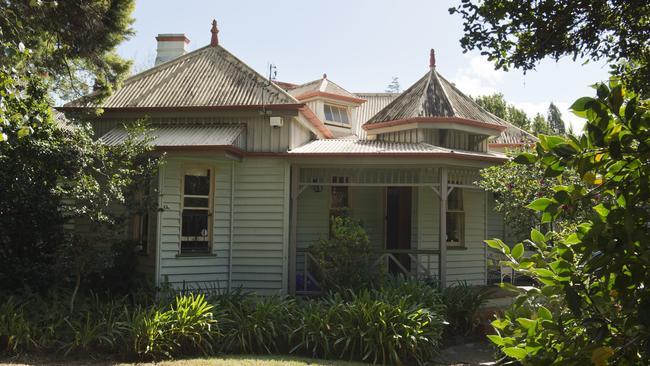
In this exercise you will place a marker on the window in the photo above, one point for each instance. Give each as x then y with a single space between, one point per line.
336 114
340 198
195 221
140 232
455 218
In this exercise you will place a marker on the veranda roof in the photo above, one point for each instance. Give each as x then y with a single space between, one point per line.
185 135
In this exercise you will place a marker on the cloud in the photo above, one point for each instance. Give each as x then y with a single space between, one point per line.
479 78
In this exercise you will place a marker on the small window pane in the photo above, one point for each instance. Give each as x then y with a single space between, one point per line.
328 113
196 202
344 116
197 185
455 200
195 224
454 227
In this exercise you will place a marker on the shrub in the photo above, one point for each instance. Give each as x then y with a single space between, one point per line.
462 303
187 328
257 324
345 259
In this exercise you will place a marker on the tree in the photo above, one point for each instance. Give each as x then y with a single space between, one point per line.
592 305
555 122
394 86
497 105
72 42
520 33
540 125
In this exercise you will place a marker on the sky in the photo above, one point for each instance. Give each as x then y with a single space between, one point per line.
360 44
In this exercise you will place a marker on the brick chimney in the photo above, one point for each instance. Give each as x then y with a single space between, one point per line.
170 46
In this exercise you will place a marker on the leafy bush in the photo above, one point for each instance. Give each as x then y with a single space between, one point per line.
256 324
462 303
592 305
345 259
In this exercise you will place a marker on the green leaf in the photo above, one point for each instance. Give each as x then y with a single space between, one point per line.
515 352
499 245
24 131
544 313
537 237
580 104
517 251
500 323
540 204
525 158
495 339
572 239
602 91
542 272
527 323
601 210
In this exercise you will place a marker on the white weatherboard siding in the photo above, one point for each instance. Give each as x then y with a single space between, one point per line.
468 263
261 235
259 226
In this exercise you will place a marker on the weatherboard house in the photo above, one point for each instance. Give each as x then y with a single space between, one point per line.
254 169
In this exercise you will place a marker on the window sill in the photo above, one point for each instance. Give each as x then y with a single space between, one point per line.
194 255
337 124
456 247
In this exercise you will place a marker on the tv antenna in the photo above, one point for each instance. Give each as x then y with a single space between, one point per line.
273 72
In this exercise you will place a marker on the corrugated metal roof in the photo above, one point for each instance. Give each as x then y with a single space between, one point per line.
323 85
514 135
374 103
379 147
433 96
184 135
209 76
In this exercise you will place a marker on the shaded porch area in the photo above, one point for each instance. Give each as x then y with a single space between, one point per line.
407 211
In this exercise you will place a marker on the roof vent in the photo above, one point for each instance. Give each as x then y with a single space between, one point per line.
170 46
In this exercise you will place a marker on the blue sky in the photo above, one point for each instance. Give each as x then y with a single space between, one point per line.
360 44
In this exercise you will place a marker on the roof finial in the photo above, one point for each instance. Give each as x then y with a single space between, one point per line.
432 59
324 76
215 31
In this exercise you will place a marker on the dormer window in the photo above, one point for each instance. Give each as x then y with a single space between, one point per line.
336 114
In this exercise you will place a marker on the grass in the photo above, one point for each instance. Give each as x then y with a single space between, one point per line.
240 360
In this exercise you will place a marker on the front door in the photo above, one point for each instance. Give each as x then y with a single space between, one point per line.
398 227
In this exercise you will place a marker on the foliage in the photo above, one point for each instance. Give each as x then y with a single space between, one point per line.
394 86
395 324
344 260
256 325
399 323
497 105
72 43
555 121
521 33
540 125
462 303
514 186
593 305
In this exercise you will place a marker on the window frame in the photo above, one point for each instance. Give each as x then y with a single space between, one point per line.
460 213
340 111
211 172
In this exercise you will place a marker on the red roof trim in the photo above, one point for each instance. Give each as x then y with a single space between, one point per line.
240 153
172 39
330 96
406 121
316 122
270 107
519 144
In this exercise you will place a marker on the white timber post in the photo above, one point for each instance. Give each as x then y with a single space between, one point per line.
295 181
442 257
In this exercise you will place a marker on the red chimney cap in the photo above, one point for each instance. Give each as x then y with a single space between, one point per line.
432 58
172 37
215 31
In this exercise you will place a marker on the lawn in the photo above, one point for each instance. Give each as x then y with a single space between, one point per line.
242 360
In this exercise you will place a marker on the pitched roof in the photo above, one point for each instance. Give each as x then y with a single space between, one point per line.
513 136
172 135
207 77
374 103
434 97
323 88
351 147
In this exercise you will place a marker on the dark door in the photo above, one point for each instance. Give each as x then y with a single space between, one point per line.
398 226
